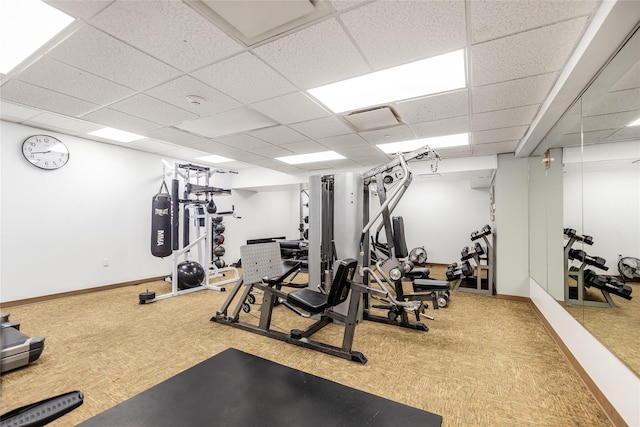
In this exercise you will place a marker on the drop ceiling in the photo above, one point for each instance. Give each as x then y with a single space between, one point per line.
132 64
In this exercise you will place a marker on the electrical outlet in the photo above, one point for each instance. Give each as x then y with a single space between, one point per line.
105 262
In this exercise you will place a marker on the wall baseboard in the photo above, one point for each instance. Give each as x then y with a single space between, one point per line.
78 292
613 415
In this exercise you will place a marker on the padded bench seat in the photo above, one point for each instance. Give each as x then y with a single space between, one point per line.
308 300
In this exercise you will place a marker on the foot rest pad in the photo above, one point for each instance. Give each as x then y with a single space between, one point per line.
425 285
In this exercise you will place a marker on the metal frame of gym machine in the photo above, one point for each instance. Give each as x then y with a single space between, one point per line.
338 206
189 172
489 267
390 270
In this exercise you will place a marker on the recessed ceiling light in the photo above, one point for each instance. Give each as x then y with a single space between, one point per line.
214 159
116 135
311 157
29 24
428 76
444 141
636 122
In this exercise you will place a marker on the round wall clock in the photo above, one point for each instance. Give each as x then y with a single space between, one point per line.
45 152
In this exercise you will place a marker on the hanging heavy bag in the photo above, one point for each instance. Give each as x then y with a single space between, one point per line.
161 223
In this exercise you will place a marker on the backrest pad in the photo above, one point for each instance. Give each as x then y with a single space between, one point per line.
345 270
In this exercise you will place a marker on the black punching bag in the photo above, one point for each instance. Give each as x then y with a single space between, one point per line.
161 223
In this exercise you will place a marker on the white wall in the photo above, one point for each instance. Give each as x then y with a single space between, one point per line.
512 229
440 214
59 226
263 214
610 209
615 380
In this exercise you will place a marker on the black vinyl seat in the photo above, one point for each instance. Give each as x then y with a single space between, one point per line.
315 302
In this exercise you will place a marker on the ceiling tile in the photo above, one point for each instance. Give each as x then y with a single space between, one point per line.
436 107
630 80
343 141
152 109
612 102
246 156
365 152
608 121
269 163
48 100
51 74
94 51
314 167
227 123
185 153
63 124
213 147
176 91
304 147
152 146
79 9
495 147
497 135
450 152
272 151
538 51
341 5
394 134
322 128
628 132
314 56
504 118
16 113
374 28
343 164
493 19
441 127
245 78
292 108
120 120
514 93
278 135
242 142
176 136
168 30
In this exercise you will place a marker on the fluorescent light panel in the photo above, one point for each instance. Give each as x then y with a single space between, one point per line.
116 135
444 141
213 158
25 26
636 122
311 157
428 76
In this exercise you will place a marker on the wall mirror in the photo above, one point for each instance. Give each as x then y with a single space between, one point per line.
585 177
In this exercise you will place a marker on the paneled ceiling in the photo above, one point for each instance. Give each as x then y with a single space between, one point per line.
131 65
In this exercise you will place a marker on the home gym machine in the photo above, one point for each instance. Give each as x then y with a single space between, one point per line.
478 277
18 349
390 182
200 215
585 277
339 272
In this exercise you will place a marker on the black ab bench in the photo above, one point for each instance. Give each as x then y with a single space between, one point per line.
235 388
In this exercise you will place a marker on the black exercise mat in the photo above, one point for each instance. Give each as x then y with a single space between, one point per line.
235 388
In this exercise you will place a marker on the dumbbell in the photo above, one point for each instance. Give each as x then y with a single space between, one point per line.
466 254
581 255
484 231
570 232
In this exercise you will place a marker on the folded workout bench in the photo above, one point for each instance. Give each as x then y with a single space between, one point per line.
18 349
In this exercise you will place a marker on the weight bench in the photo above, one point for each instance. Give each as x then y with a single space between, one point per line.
261 268
18 349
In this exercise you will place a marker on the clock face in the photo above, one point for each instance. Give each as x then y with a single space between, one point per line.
45 152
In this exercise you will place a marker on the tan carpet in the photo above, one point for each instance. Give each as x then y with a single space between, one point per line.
484 362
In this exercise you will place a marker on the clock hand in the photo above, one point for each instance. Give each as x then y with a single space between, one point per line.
41 152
